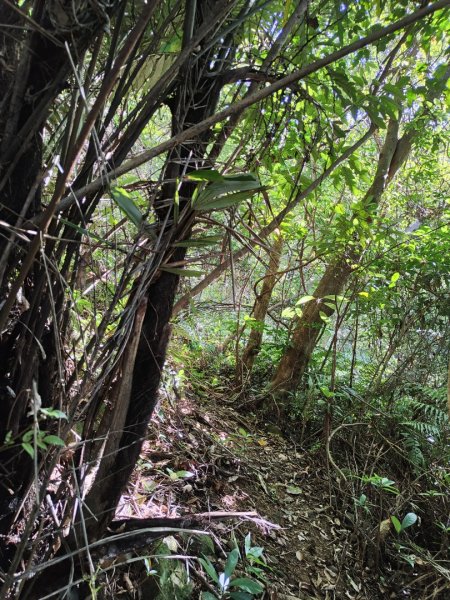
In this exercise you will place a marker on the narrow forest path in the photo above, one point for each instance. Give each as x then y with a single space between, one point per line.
204 457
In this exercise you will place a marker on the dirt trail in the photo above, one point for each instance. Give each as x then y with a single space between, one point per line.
200 459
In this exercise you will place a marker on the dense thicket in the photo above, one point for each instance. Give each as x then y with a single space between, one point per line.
301 144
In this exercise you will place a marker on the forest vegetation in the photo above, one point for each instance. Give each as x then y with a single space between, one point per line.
241 206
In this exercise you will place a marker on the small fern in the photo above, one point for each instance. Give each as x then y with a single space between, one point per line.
414 451
434 414
426 430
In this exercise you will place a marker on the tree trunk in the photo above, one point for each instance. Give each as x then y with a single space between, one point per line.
259 312
297 355
135 409
308 327
33 75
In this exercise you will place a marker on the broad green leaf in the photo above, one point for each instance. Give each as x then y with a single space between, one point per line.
247 585
293 490
28 448
395 277
222 201
305 181
375 117
54 440
330 305
205 175
335 298
288 313
209 568
389 106
126 203
208 596
53 413
325 318
28 436
226 192
408 520
304 300
326 392
241 596
362 500
40 444
232 560
184 474
396 523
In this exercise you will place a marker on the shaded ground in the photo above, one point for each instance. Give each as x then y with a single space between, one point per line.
202 459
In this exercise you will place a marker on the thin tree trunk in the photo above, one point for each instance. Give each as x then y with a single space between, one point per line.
393 155
307 328
188 108
259 312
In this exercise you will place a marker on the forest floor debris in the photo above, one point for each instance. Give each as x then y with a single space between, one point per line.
210 459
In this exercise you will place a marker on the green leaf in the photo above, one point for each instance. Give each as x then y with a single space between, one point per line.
389 106
325 318
395 277
28 435
205 175
54 440
362 500
28 448
408 520
240 596
247 585
40 444
330 305
53 413
293 490
126 203
221 201
304 300
226 192
182 272
288 313
396 523
375 117
208 596
232 560
326 392
184 474
209 568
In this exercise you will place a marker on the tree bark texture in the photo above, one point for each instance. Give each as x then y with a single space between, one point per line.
260 309
33 72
